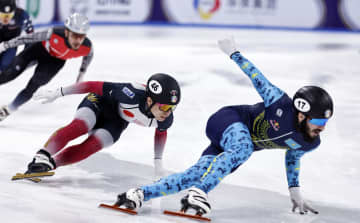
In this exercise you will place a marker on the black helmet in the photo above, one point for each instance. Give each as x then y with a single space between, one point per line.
7 6
313 101
163 89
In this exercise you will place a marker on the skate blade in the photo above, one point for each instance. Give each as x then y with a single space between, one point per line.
182 214
116 208
32 176
34 179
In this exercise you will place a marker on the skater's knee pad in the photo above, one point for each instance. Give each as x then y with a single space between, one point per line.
86 115
104 136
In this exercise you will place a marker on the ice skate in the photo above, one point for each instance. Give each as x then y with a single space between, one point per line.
39 167
196 199
42 162
131 200
4 112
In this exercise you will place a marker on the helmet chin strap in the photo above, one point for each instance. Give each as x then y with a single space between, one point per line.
148 108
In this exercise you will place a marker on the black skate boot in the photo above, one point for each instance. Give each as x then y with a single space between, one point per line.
42 162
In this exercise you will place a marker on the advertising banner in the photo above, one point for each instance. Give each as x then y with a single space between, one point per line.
40 11
281 13
107 10
349 12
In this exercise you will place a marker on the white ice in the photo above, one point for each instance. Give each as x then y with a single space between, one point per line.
256 192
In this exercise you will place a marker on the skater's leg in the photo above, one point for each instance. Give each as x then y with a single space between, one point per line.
17 66
44 72
20 62
178 181
105 135
238 147
6 58
84 121
73 154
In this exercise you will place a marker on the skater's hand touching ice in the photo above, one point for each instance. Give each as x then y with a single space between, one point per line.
298 202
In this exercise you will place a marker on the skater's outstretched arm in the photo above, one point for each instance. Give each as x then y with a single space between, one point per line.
26 39
47 96
264 87
292 161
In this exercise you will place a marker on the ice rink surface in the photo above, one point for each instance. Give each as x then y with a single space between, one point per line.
256 192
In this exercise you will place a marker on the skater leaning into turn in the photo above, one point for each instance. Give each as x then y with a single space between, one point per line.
49 49
104 114
13 21
235 132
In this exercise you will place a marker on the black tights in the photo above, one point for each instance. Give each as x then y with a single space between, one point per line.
47 67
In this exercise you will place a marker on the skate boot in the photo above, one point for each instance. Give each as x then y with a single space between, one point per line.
42 162
132 199
4 112
197 200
